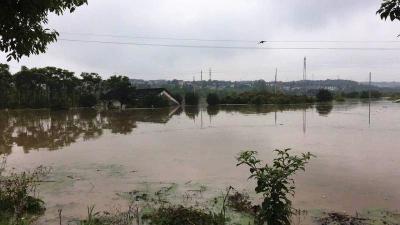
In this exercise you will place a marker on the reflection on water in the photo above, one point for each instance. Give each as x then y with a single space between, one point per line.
356 165
52 130
324 108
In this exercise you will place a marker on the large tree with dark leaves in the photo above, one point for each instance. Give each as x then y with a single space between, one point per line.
390 9
22 25
118 88
5 86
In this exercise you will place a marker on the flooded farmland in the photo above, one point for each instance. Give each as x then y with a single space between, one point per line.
96 157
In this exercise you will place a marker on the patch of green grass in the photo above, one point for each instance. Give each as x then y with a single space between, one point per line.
178 215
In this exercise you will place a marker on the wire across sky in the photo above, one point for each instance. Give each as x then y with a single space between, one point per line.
223 40
229 47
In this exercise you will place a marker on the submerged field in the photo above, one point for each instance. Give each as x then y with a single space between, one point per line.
106 158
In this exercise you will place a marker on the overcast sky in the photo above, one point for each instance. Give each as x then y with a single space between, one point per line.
249 20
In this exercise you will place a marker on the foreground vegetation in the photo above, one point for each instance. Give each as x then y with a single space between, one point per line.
20 205
19 202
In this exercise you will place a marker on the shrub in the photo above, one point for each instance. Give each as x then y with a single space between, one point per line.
324 95
109 218
18 197
275 183
374 94
240 202
353 94
212 99
191 99
257 100
339 98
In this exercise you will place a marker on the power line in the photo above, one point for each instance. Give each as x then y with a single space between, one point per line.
229 47
227 40
158 38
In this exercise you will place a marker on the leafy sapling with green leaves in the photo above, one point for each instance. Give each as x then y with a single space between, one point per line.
276 184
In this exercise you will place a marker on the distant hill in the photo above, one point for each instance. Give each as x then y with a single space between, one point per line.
392 84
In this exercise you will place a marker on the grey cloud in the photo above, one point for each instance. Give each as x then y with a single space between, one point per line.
223 19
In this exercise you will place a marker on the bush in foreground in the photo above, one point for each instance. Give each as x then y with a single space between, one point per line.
18 198
276 184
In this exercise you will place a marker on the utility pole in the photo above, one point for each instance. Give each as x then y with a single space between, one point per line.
194 85
305 69
209 73
276 77
369 91
369 103
305 75
201 75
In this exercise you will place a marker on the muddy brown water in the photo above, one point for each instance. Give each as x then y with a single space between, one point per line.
97 155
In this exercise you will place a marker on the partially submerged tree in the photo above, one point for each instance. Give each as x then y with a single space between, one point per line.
324 95
212 99
191 98
119 88
5 85
22 25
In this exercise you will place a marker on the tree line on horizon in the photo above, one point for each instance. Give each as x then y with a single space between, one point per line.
57 88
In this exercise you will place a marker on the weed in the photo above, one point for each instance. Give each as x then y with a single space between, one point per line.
240 202
178 215
107 218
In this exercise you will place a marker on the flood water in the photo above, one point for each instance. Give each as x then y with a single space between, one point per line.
97 155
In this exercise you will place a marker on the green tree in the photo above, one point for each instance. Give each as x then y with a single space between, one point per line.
30 86
212 99
90 87
260 85
91 83
191 98
22 30
324 95
61 87
119 88
5 86
390 9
